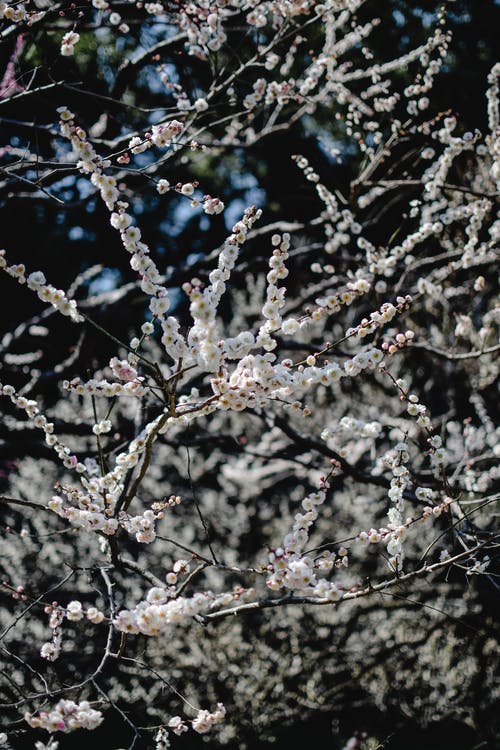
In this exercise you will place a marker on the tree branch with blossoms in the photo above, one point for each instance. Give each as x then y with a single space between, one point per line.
328 376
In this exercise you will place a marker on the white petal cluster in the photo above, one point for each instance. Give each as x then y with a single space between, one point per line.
46 292
291 569
205 720
154 619
212 206
68 43
205 339
93 505
66 716
104 387
40 421
13 11
52 649
143 526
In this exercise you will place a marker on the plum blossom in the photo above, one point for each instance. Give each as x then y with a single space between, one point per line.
122 369
66 716
68 43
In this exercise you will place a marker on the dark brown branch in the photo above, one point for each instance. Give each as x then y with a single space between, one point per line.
24 503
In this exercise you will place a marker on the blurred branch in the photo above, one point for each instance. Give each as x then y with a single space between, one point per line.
459 355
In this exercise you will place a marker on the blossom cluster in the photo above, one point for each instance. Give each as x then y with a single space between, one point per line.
37 282
94 504
400 480
205 720
202 723
143 525
40 421
416 409
161 135
204 338
68 43
154 615
141 262
102 387
66 716
292 569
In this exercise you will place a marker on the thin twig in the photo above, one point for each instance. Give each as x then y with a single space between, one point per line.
34 603
205 527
